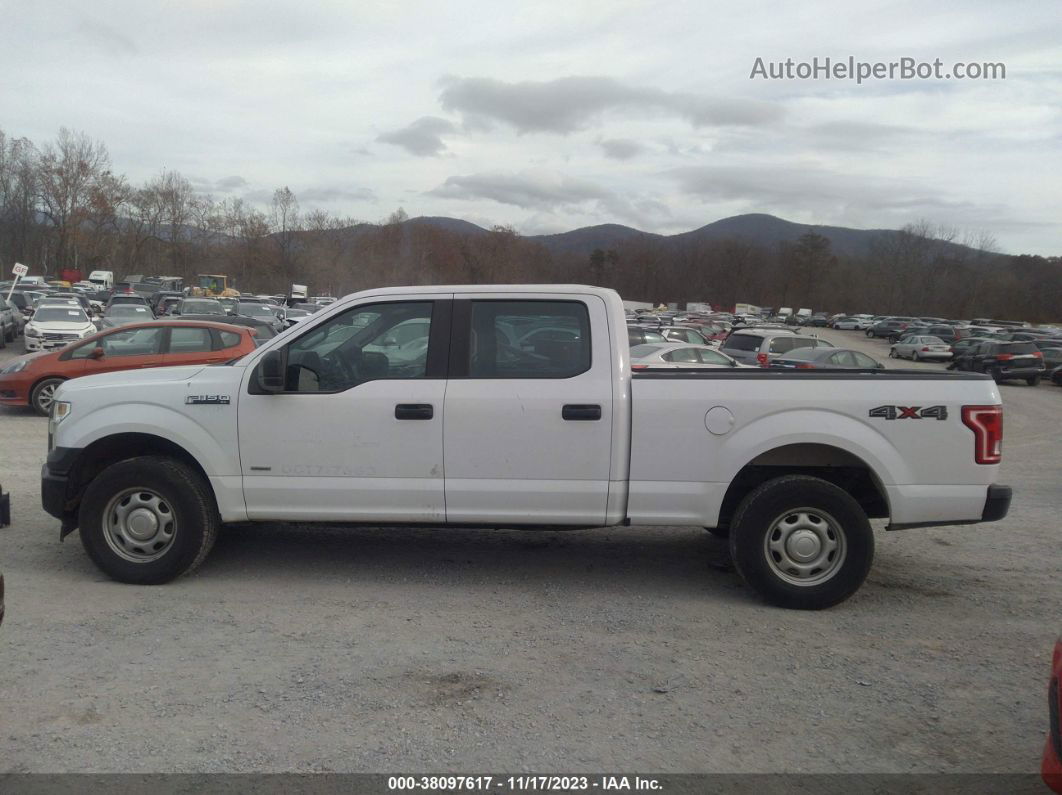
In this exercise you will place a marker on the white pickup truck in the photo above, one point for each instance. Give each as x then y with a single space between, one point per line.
513 407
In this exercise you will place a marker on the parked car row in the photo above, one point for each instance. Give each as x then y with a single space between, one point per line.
1006 352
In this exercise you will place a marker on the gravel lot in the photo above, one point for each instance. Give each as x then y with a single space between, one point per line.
471 651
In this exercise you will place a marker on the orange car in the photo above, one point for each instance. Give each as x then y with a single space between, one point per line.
32 380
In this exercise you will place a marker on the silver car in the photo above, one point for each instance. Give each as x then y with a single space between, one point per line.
677 354
921 347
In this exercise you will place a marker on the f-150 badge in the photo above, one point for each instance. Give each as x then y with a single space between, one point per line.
217 400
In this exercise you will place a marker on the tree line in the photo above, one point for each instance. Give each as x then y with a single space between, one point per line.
62 205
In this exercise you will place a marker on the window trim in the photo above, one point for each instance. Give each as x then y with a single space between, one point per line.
461 339
435 362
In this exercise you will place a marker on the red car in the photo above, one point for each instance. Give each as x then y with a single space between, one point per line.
1051 769
32 380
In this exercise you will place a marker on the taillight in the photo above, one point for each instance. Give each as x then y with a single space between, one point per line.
987 424
762 359
805 366
1038 354
1002 357
639 367
925 348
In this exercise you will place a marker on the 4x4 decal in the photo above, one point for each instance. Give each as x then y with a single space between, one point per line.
910 413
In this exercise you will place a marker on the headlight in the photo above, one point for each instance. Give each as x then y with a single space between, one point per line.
31 331
15 367
60 411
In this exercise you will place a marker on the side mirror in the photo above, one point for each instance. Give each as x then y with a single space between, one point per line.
270 373
97 353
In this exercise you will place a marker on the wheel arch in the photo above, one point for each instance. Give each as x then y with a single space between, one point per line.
843 468
111 449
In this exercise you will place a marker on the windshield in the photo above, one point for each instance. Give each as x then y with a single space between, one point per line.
128 310
59 314
255 310
202 308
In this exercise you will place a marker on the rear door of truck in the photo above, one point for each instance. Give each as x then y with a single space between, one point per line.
528 430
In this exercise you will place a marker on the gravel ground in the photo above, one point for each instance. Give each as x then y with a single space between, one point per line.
470 651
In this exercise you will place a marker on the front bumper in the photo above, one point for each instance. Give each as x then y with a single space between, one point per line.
5 508
55 483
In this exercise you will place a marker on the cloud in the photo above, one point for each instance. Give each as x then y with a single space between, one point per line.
105 39
795 189
569 104
332 194
548 192
422 137
226 184
527 190
621 148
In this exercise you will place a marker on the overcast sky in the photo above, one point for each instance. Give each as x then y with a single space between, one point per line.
550 116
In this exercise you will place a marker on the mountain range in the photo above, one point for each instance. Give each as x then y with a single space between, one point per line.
758 228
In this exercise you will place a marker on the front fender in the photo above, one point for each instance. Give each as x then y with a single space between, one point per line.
215 454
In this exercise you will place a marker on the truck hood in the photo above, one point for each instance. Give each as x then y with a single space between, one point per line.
134 378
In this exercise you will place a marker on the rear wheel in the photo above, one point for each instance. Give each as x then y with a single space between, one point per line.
802 542
43 395
916 356
148 520
892 353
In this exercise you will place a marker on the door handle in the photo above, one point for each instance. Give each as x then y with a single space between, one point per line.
414 411
581 411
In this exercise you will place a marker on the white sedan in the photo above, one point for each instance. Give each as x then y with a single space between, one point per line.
677 354
919 348
55 325
847 323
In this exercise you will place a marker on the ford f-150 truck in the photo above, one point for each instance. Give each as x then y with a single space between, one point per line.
516 407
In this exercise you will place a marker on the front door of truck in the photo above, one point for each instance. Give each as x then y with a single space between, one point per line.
357 433
528 435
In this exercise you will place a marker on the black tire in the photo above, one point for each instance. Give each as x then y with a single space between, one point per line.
41 395
892 353
775 502
187 497
1034 381
870 333
719 532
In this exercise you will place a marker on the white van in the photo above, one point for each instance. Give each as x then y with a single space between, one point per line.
785 311
104 280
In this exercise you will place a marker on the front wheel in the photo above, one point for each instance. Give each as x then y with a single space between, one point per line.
43 395
148 520
892 353
802 542
1034 381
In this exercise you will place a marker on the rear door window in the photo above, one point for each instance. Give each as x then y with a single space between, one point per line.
682 355
190 340
529 339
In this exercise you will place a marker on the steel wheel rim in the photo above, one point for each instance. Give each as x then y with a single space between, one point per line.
139 525
805 547
46 396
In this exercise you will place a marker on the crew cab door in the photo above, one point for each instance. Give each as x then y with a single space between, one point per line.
357 432
528 434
